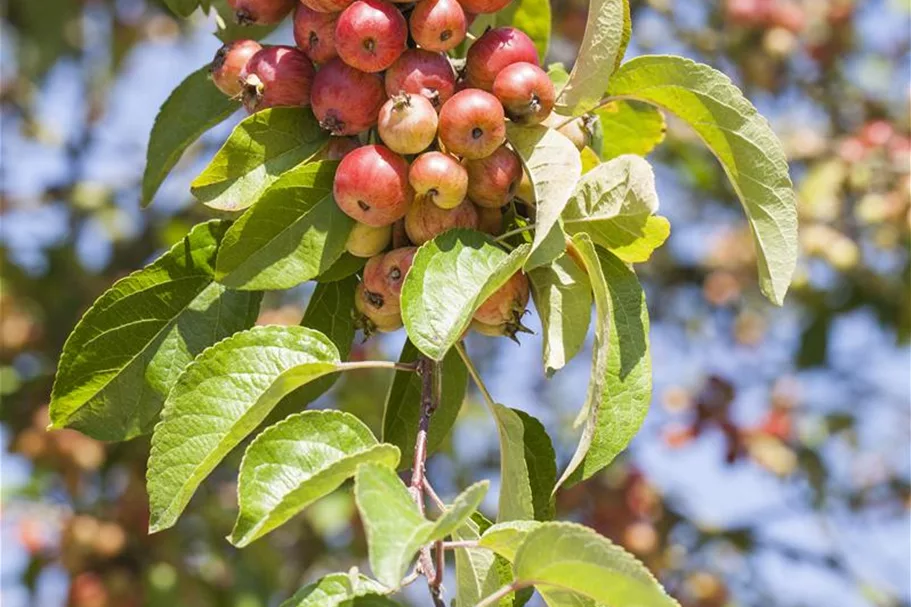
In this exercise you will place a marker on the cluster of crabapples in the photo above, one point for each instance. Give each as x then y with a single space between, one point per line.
422 147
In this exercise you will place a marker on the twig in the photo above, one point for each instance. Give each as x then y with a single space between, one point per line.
460 544
503 592
432 494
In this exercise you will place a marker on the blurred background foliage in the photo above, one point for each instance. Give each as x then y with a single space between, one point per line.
774 466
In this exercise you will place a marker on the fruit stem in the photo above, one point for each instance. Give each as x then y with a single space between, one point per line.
475 376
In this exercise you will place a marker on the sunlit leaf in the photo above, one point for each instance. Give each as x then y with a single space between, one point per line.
630 127
334 590
528 467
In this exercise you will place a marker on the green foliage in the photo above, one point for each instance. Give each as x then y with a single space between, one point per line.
127 351
193 108
528 466
337 590
505 538
530 16
257 152
632 128
742 141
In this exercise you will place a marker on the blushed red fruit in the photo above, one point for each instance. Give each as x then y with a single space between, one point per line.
371 185
439 178
483 6
492 181
490 221
495 50
314 33
472 124
385 274
346 101
260 12
276 76
426 220
407 123
438 25
505 308
375 314
327 6
578 130
370 35
526 92
228 64
421 72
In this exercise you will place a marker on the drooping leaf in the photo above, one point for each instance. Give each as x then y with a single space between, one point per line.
554 167
602 47
403 404
222 397
395 528
257 152
528 467
127 351
297 461
293 233
741 139
620 388
630 128
505 538
615 203
193 108
558 75
563 297
451 276
625 35
182 8
334 590
565 557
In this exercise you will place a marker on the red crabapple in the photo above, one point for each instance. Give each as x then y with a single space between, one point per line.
472 124
424 73
407 123
375 314
346 101
276 76
371 185
493 51
260 12
490 221
526 92
439 178
229 62
438 25
314 33
492 181
367 241
327 6
579 130
505 308
483 6
426 220
384 275
370 35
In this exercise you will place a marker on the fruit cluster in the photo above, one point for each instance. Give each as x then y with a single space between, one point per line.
422 147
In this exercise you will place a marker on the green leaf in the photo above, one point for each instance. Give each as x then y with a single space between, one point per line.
505 538
558 75
615 203
630 128
192 108
345 266
480 572
229 29
620 388
602 48
334 590
528 467
222 397
403 404
182 8
293 233
625 35
568 557
127 351
554 166
297 461
451 276
563 298
741 139
395 528
257 152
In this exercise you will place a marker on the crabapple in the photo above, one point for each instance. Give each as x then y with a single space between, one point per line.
375 315
492 181
407 123
260 12
472 124
367 241
276 76
577 130
421 72
314 33
371 185
370 35
346 101
505 308
526 92
229 62
339 147
525 191
327 6
490 221
483 6
426 220
438 25
439 178
495 50
384 275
